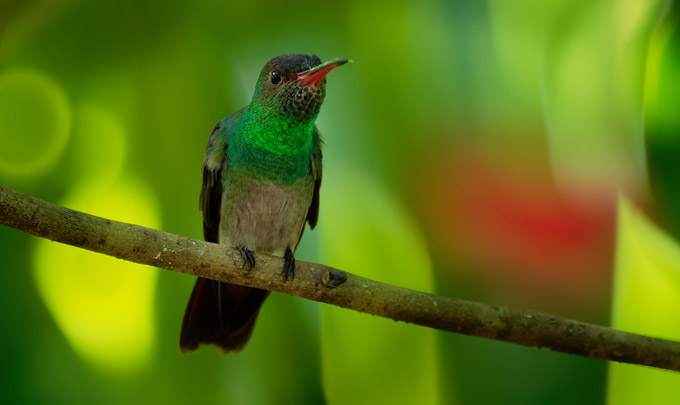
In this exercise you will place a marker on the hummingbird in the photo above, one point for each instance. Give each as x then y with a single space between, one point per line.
261 179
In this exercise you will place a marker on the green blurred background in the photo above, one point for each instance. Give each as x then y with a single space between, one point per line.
516 152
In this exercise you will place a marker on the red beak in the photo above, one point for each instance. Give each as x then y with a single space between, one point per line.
315 75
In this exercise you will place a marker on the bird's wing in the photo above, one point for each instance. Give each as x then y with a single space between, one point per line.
317 156
218 313
211 191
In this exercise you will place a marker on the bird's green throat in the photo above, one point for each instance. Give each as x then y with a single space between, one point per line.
273 145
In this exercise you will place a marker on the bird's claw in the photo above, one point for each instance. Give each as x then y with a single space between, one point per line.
288 265
248 258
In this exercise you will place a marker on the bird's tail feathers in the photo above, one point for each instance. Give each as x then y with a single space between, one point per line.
222 314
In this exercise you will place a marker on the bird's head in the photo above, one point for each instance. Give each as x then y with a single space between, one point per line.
294 85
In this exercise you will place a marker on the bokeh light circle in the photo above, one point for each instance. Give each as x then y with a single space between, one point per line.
98 139
35 121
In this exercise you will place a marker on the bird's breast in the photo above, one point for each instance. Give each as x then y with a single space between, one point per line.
263 215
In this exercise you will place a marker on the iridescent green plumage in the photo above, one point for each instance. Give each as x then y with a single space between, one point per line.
278 148
275 131
261 179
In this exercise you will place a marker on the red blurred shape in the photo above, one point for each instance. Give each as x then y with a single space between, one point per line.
510 221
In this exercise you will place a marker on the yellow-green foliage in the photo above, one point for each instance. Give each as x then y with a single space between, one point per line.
646 301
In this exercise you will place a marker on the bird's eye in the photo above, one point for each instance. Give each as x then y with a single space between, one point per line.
275 77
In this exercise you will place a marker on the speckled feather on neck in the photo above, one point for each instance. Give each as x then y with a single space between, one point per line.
276 134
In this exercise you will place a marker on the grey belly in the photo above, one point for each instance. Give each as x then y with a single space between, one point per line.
263 216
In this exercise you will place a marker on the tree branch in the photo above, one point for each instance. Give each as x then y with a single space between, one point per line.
332 286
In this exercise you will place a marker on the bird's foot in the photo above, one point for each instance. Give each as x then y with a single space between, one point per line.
288 265
248 258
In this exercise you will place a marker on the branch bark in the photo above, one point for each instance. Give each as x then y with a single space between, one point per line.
332 286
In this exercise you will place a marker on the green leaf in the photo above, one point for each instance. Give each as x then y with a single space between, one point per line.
646 301
367 359
592 77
